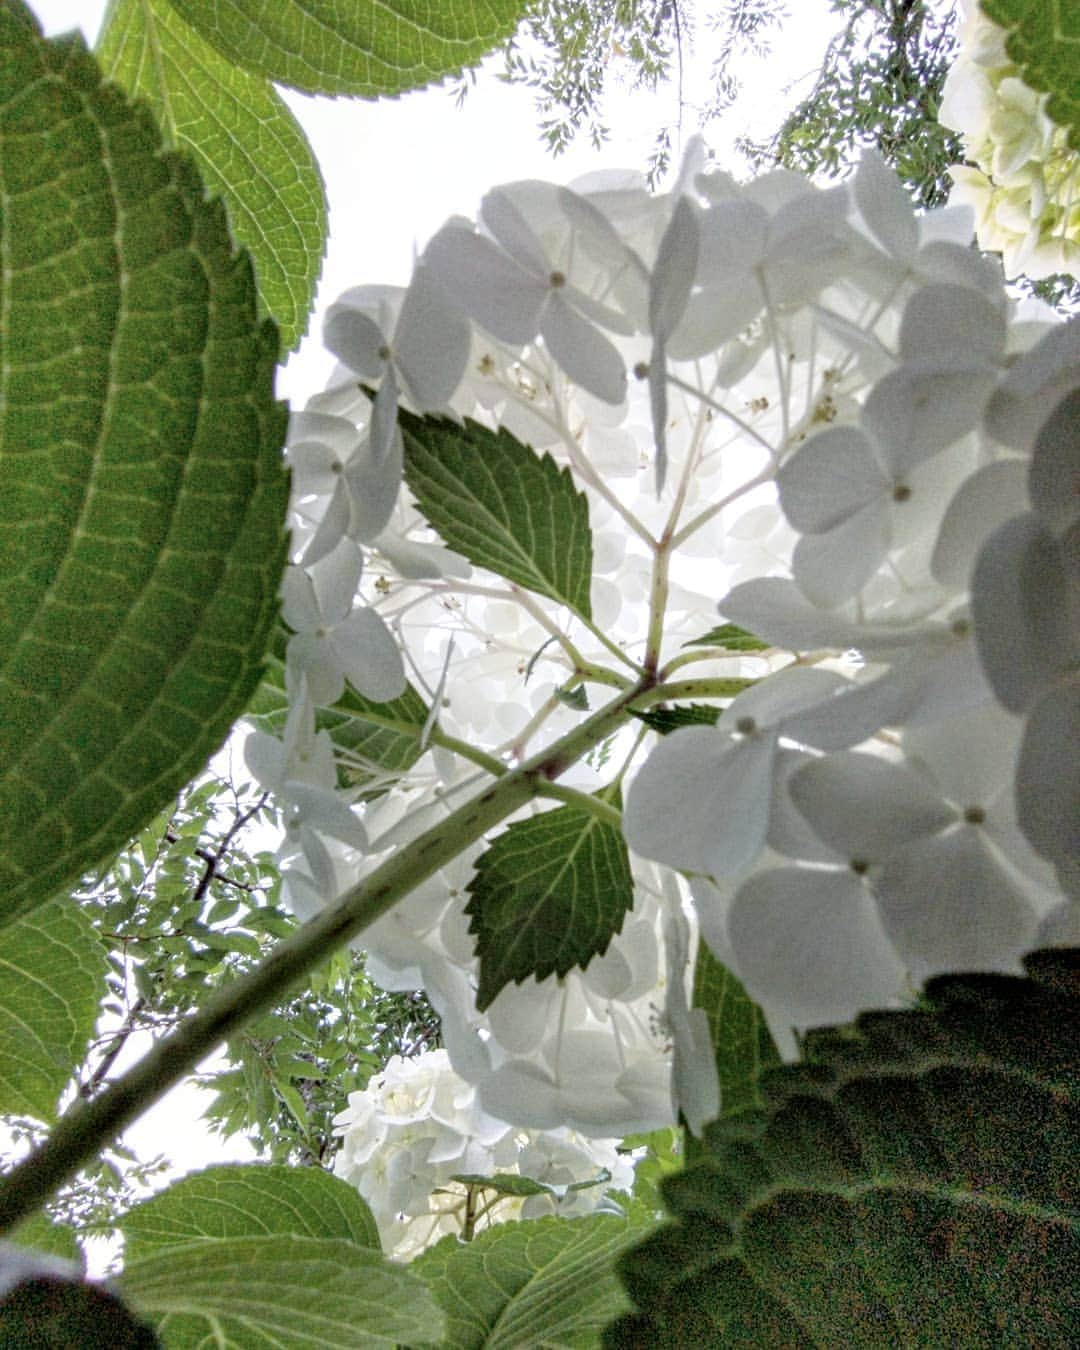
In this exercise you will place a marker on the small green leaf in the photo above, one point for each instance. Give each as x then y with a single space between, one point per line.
52 975
731 637
576 698
248 1200
247 144
546 1282
502 505
548 895
1044 39
326 47
142 486
40 1233
504 1183
911 1184
740 1037
665 720
240 1293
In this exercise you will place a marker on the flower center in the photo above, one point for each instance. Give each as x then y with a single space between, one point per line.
746 726
901 493
860 866
974 815
557 279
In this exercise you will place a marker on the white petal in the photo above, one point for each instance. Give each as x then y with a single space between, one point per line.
583 351
984 501
521 1014
1020 603
509 226
355 339
714 314
914 412
337 433
416 561
299 607
325 811
264 756
336 579
1055 468
701 801
732 240
431 342
865 807
885 207
828 479
773 702
947 904
971 756
951 321
658 410
789 834
810 946
368 655
1048 776
1035 383
312 657
332 528
374 484
487 285
674 270
831 568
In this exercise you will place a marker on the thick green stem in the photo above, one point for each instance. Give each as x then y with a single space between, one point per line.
89 1125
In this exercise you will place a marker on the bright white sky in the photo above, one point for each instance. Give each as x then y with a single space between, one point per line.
394 171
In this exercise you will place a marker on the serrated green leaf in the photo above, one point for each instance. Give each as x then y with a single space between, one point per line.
249 1200
247 145
665 720
505 1183
330 47
546 1282
731 637
911 1184
40 1233
1044 40
382 738
744 1048
142 486
502 505
548 895
52 975
245 1293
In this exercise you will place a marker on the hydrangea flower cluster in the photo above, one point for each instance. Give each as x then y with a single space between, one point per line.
418 1126
1025 183
807 412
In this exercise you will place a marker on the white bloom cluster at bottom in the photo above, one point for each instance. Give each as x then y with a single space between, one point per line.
418 1125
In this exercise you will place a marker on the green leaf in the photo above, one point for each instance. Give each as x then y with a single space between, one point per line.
731 637
548 895
912 1184
326 47
279 1290
249 1200
247 145
502 505
52 975
40 1233
665 720
545 1282
142 485
504 1183
739 1035
383 738
1043 40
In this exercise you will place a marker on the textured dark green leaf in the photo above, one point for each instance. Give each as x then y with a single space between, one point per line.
343 47
665 720
912 1184
544 1282
142 487
381 738
502 505
52 976
249 1200
246 143
279 1290
731 637
548 895
740 1037
1044 41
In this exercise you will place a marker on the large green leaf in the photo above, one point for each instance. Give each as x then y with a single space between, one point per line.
380 738
549 894
279 1290
247 144
52 976
52 1239
45 1302
142 487
502 505
912 1184
249 1200
740 1037
337 47
1044 41
545 1282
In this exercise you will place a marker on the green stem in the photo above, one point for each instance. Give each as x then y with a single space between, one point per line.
678 690
88 1126
584 801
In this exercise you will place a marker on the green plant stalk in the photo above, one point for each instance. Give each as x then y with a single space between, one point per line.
89 1125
